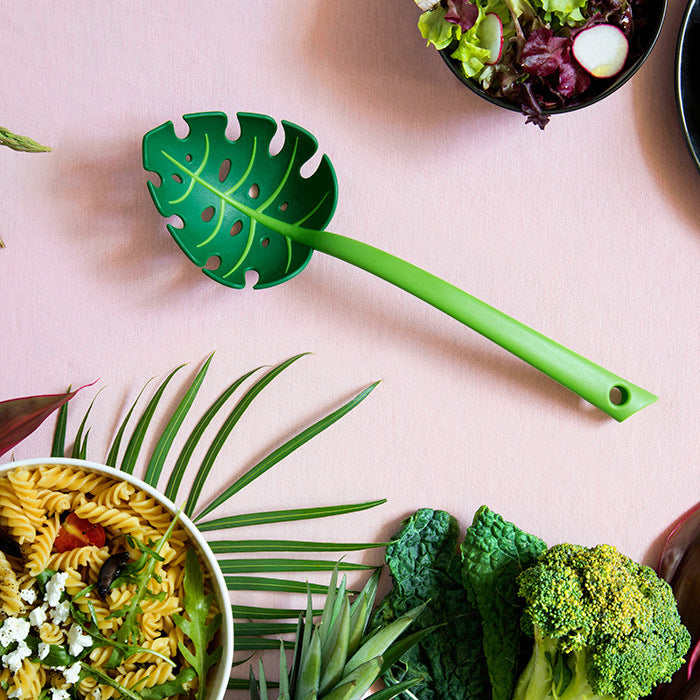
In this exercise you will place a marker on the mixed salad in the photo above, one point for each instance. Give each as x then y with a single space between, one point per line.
536 54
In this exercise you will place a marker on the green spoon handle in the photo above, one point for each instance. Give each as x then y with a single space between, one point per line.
605 390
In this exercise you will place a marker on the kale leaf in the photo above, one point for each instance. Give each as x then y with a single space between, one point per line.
494 553
424 562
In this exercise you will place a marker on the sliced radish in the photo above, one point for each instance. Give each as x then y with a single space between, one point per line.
601 50
490 33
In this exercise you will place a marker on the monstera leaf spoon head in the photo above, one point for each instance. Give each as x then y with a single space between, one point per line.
235 197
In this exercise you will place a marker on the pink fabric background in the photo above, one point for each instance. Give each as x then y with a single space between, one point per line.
588 231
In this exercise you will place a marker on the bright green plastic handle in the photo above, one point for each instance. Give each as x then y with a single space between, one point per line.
605 390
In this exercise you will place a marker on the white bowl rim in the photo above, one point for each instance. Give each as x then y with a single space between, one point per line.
220 681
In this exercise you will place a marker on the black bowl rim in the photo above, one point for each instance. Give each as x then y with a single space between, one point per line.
455 67
692 143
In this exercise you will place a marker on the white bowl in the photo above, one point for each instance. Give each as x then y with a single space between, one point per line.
217 686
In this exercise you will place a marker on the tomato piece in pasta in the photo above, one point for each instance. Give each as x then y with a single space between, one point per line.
77 532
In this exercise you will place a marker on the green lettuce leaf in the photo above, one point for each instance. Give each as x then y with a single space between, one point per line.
436 30
424 562
562 12
494 553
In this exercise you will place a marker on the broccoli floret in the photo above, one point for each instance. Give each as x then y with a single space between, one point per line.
603 625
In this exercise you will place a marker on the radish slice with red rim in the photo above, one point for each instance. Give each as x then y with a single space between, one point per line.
601 50
490 33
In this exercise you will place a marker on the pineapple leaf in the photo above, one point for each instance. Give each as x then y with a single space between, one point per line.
160 453
382 639
134 445
362 677
335 648
310 668
284 516
226 429
286 449
190 445
394 690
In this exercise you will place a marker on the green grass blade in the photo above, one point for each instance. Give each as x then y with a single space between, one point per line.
247 612
286 449
225 431
261 629
257 566
190 445
274 585
160 453
284 516
113 454
238 546
58 446
133 447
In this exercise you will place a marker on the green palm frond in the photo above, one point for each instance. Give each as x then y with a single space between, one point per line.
257 628
284 516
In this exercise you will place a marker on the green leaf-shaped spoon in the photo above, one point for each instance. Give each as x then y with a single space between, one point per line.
249 209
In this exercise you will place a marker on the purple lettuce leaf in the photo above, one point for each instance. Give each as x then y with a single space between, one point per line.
462 13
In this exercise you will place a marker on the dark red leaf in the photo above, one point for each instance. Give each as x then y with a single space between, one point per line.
543 52
463 13
21 417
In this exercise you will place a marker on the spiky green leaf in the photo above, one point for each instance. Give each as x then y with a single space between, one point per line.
160 453
224 432
284 516
286 449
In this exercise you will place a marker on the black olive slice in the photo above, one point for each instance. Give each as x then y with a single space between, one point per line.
110 570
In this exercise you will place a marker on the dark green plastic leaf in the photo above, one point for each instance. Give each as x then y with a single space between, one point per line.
209 181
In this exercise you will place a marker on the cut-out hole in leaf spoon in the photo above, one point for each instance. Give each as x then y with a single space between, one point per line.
283 210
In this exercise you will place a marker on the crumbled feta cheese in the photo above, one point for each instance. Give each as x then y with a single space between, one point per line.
60 613
72 673
77 640
13 660
28 595
43 650
16 693
59 694
13 629
37 617
55 587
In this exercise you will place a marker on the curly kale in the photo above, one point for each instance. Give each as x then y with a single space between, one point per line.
494 553
424 562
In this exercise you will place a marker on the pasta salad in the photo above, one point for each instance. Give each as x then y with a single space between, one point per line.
102 594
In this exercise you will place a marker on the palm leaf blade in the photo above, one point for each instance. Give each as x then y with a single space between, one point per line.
274 585
243 546
195 436
113 453
58 446
284 516
226 429
134 445
249 566
160 453
286 449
